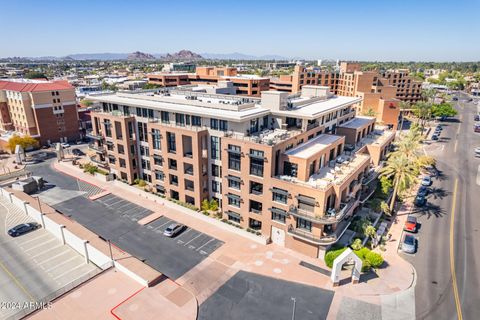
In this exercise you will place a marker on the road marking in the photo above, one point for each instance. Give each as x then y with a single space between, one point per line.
22 243
478 175
452 258
61 263
17 282
184 233
39 245
50 258
455 147
68 271
43 252
203 245
193 239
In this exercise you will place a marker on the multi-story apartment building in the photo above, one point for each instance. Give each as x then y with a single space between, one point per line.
248 85
293 167
45 110
408 89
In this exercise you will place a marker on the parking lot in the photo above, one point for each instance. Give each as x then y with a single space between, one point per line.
124 207
189 238
34 265
115 219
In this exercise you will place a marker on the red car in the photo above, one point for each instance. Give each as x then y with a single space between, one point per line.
411 224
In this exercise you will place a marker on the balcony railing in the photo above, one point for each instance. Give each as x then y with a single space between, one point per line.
331 217
92 135
257 211
99 149
324 240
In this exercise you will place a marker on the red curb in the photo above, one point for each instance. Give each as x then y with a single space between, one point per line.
128 298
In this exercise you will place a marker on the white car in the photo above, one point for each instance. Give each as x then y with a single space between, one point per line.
173 229
477 152
426 181
65 145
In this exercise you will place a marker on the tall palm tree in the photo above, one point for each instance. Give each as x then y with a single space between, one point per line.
403 106
423 111
401 169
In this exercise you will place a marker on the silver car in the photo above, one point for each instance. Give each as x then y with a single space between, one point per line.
173 229
409 243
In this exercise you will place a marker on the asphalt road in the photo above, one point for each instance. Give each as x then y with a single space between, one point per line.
447 260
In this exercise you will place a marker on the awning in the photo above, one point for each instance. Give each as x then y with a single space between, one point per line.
160 188
280 191
234 178
306 199
255 156
233 214
233 196
233 151
278 211
157 156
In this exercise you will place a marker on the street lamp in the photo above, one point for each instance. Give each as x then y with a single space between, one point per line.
39 204
293 310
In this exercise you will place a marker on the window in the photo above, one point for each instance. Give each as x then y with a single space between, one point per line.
234 182
156 139
234 157
223 125
122 163
142 132
173 180
159 175
157 160
145 164
279 215
306 203
304 224
172 164
256 162
216 186
253 125
120 149
233 216
256 188
214 124
196 121
216 170
255 207
279 195
254 224
180 119
172 146
233 200
165 117
290 169
215 147
144 151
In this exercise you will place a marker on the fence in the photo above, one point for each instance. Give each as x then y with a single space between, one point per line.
15 174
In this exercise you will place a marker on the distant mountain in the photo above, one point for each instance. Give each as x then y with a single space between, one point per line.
99 56
140 56
182 55
240 56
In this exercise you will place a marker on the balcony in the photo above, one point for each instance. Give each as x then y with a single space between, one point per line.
332 216
324 240
94 136
101 163
97 148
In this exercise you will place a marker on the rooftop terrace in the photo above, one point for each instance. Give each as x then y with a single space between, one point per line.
313 146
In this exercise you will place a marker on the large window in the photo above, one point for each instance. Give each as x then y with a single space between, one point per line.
304 224
221 125
233 200
234 182
156 139
164 115
172 145
196 121
215 147
290 169
306 203
234 157
279 195
216 186
279 215
216 170
256 162
256 188
180 119
255 207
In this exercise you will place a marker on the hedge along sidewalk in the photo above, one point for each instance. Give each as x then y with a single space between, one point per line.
139 196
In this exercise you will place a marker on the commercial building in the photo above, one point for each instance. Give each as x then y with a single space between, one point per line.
45 110
292 167
248 85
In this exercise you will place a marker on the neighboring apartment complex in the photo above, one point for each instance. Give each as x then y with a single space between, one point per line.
380 92
293 167
248 85
45 110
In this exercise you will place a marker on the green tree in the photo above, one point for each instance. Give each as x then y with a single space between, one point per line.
213 205
35 75
443 110
205 205
369 113
423 111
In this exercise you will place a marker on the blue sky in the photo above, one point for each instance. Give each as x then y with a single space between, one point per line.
356 30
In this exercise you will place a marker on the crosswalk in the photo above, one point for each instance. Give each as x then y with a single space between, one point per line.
15 215
89 189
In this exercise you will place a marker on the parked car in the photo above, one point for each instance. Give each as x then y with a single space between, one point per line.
411 224
420 201
65 145
409 243
23 228
476 128
423 191
77 152
477 117
477 152
426 181
173 229
435 137
455 99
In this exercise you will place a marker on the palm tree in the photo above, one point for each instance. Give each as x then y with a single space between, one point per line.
408 145
423 111
403 172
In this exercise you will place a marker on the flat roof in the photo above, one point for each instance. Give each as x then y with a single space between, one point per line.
357 122
314 109
313 146
177 103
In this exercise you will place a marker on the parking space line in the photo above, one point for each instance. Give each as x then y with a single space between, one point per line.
50 258
193 239
39 245
68 271
169 221
61 263
43 252
203 245
21 243
184 233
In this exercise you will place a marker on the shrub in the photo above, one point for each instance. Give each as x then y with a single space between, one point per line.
141 183
331 255
213 205
90 168
375 259
357 244
366 266
205 205
362 252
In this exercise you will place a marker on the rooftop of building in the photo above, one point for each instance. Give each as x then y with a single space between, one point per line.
313 146
358 122
310 108
31 85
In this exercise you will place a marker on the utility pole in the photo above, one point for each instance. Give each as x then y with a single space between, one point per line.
293 310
